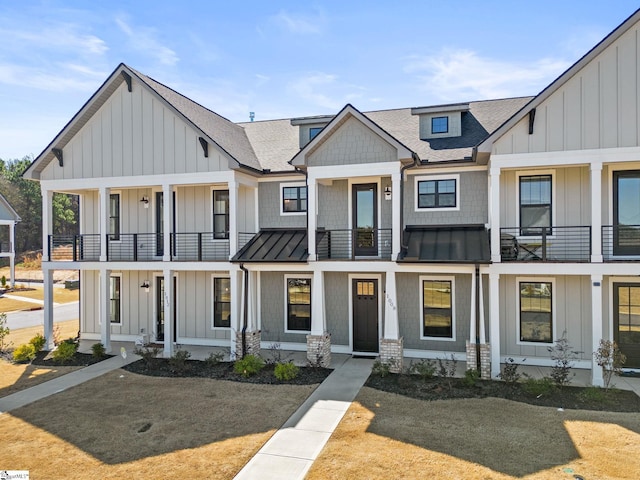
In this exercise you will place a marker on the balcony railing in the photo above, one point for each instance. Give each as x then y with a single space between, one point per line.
198 247
135 247
354 244
545 244
74 248
620 242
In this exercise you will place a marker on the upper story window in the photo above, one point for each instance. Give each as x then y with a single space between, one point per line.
313 131
535 203
437 193
114 216
221 214
293 198
439 125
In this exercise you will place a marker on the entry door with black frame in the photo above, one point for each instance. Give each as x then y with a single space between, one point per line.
365 219
626 212
626 321
365 315
160 309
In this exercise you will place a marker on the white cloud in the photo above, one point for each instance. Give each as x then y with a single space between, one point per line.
143 39
312 87
65 78
57 37
453 75
300 23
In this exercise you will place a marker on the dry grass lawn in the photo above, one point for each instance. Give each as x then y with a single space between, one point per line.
60 295
12 305
385 436
123 425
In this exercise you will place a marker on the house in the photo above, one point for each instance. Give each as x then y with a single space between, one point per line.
8 220
482 230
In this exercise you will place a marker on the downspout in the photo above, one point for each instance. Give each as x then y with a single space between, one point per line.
477 306
245 315
306 184
415 163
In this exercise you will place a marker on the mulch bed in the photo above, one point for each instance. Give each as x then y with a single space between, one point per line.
437 388
162 367
44 359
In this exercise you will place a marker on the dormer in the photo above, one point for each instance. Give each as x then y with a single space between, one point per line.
309 127
440 121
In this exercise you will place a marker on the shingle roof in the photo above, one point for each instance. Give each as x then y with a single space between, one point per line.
275 142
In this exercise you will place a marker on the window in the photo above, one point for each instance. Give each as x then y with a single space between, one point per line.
440 125
294 199
313 131
536 312
535 204
298 298
115 310
220 214
221 302
437 193
437 308
114 216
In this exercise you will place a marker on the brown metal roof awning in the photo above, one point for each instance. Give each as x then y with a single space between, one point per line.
446 244
275 245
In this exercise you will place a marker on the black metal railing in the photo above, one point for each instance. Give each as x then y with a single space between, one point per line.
545 244
353 244
199 247
74 248
135 247
620 242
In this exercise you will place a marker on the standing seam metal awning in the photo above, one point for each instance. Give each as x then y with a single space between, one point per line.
275 245
446 244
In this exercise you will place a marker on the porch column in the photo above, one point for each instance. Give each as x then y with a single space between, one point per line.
396 221
596 212
596 328
236 307
494 323
12 253
233 223
48 307
104 193
251 334
318 340
312 201
105 308
391 345
167 210
168 302
494 213
47 225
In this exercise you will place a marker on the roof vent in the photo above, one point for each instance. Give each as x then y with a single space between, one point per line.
252 116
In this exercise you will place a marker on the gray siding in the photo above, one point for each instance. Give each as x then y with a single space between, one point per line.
333 211
336 286
194 306
269 209
272 310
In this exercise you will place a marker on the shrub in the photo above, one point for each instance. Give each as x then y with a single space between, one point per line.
178 361
4 331
471 377
65 351
249 365
3 281
424 368
214 359
285 371
147 353
447 369
24 353
538 386
594 394
611 359
563 355
510 374
97 350
381 369
38 342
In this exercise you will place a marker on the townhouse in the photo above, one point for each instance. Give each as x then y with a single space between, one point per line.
484 230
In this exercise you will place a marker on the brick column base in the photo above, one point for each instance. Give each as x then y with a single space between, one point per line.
319 350
485 361
472 363
392 353
252 341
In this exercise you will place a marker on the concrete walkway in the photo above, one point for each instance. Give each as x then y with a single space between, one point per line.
289 454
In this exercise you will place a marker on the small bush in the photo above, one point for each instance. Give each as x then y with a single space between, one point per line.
97 350
424 368
594 394
381 369
65 351
38 342
471 377
538 386
563 355
611 359
147 353
178 361
249 365
214 359
510 374
4 331
24 353
3 281
286 371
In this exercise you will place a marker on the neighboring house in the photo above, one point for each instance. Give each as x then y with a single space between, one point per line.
469 229
8 219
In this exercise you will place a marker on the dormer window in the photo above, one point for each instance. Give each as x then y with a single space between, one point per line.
310 127
313 131
441 121
439 124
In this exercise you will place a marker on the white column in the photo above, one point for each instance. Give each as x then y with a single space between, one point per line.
47 223
483 335
596 327
396 221
168 303
472 319
391 327
318 317
494 323
252 317
48 307
233 223
494 213
104 193
596 212
312 202
12 253
236 305
105 309
167 209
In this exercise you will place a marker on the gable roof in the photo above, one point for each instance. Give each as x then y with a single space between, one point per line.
7 212
485 146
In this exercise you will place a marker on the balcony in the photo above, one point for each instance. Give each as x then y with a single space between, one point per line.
199 247
74 248
620 243
545 244
354 244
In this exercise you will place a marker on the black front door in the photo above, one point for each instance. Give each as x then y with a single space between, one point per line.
365 220
626 321
626 212
160 299
365 315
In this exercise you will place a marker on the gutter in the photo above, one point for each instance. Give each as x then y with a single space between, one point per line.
306 184
245 316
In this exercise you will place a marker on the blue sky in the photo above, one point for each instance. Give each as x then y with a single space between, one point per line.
285 59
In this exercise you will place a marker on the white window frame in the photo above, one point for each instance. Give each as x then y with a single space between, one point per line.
115 275
423 178
554 318
437 278
281 188
213 302
286 303
554 200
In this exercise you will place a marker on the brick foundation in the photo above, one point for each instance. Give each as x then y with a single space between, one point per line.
319 350
472 363
392 352
252 341
485 359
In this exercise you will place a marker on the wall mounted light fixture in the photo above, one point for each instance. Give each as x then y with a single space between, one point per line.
145 285
387 192
145 201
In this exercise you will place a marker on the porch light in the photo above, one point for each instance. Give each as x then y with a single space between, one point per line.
387 192
145 285
145 201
